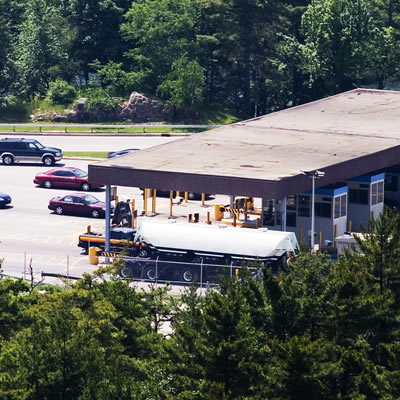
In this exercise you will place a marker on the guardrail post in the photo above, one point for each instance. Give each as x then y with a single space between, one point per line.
40 128
65 129
14 128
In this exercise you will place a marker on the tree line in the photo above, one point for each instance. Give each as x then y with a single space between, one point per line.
322 330
252 56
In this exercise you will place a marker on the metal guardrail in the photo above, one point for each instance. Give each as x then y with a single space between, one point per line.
143 127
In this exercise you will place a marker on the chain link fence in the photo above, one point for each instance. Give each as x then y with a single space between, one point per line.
179 272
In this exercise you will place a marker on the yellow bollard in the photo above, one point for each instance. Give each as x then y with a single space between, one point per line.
186 197
349 227
203 198
320 241
218 214
93 257
153 205
301 235
208 218
145 201
171 198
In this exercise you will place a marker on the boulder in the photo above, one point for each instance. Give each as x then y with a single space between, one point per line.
141 109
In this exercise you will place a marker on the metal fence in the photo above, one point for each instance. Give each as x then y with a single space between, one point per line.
98 128
179 272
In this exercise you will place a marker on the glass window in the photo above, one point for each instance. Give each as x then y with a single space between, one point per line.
20 145
268 213
291 219
304 206
68 199
343 205
323 210
80 173
340 206
278 212
67 173
391 183
359 196
377 192
291 203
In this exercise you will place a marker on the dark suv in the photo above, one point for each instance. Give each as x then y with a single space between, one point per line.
30 150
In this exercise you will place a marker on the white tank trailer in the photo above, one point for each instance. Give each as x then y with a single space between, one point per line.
172 251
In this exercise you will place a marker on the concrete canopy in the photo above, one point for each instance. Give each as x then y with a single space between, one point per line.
346 135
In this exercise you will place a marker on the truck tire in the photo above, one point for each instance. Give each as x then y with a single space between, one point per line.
150 273
189 275
126 272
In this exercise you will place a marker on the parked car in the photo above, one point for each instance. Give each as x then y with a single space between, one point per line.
78 204
113 154
68 177
15 150
4 199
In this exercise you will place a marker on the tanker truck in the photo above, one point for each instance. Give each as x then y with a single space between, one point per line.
187 252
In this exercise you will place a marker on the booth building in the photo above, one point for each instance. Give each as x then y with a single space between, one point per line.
348 137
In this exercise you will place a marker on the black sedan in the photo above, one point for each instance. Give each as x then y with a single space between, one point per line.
78 204
4 199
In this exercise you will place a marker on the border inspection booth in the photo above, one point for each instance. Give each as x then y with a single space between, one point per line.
330 213
366 196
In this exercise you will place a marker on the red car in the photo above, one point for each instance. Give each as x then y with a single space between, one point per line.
78 204
67 177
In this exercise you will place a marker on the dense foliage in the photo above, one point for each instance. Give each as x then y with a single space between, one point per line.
321 331
253 56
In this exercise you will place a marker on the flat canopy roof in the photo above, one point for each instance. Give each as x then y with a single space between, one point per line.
346 135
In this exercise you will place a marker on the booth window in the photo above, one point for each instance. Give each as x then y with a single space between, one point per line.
268 213
377 192
340 206
391 183
291 211
359 196
304 206
323 210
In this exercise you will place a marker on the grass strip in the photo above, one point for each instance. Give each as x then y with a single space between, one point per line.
85 154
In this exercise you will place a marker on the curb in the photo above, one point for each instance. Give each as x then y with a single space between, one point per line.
78 134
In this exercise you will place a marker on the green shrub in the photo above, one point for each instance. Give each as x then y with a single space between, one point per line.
61 92
99 100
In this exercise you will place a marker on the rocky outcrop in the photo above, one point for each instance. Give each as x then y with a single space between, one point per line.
140 109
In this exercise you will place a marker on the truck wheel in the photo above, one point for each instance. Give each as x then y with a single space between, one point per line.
188 275
150 273
48 160
126 272
8 160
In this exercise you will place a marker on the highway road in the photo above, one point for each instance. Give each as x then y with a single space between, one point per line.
30 233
